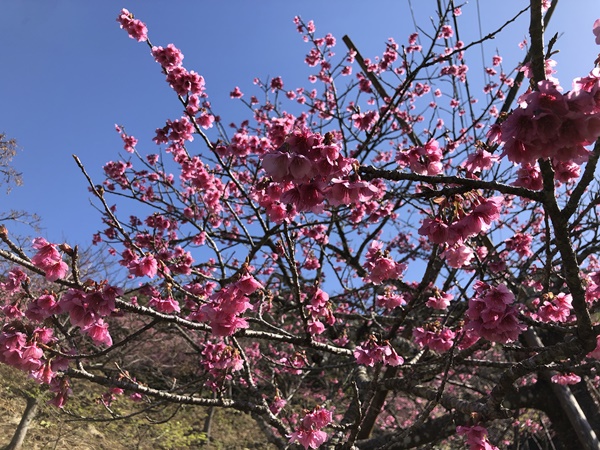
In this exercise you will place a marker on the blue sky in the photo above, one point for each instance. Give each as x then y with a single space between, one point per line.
69 74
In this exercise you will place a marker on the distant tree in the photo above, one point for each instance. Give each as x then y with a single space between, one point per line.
9 178
8 150
386 262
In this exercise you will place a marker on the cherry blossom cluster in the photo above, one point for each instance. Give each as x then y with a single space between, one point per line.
87 309
439 300
550 124
320 310
129 141
554 308
565 378
476 437
20 346
189 85
253 293
434 336
224 309
308 169
49 259
424 160
309 434
491 314
135 28
380 266
390 299
372 351
467 217
13 281
220 357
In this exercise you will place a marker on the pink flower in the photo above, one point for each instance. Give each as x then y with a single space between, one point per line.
480 160
56 270
596 30
480 218
424 160
437 338
439 300
309 433
98 331
309 438
221 357
130 142
520 243
390 300
476 437
277 165
135 28
236 93
49 260
146 266
42 307
247 285
13 280
276 83
565 378
491 314
381 267
183 81
438 232
446 32
223 311
530 177
556 308
164 305
372 352
345 192
205 120
169 57
364 121
458 255
596 352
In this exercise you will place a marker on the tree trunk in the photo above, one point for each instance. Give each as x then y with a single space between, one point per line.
568 403
30 410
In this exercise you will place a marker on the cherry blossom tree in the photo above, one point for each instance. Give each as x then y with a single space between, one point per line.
385 260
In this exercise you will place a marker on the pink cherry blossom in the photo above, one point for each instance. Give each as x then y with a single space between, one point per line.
372 352
491 314
476 437
566 378
521 244
12 283
446 32
146 266
49 260
220 357
364 121
381 267
439 300
309 433
437 338
135 28
236 93
98 331
556 308
596 30
596 352
458 255
168 57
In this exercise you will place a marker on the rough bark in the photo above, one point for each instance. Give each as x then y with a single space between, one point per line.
18 438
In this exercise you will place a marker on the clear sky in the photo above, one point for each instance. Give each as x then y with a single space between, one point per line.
69 74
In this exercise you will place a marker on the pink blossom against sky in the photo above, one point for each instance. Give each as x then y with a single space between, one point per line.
70 73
